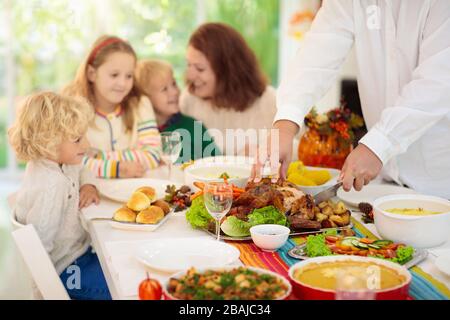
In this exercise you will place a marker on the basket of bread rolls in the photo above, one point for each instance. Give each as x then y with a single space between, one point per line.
142 208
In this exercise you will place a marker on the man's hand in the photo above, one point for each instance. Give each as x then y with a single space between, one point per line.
131 169
278 152
88 195
360 167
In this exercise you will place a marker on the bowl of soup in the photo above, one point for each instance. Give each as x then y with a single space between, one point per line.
322 278
418 220
215 169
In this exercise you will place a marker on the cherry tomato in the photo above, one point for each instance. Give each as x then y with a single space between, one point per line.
390 253
150 289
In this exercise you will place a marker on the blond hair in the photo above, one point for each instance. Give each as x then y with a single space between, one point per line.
44 121
81 86
149 70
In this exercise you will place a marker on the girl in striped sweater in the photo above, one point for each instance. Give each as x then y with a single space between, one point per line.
124 136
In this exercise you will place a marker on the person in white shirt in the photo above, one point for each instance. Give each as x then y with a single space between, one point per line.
49 133
403 57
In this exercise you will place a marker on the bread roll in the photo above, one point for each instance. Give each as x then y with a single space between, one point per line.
148 191
138 201
163 205
152 215
125 215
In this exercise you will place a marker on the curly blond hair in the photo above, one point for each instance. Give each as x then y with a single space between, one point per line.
44 121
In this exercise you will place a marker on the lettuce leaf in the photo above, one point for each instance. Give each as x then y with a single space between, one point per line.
235 227
197 215
267 215
404 254
316 246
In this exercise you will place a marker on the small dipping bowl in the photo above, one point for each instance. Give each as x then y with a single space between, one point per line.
269 237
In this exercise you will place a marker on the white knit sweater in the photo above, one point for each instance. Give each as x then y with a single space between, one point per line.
48 199
259 115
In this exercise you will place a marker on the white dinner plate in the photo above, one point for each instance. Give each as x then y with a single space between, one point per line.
120 190
443 263
371 192
172 255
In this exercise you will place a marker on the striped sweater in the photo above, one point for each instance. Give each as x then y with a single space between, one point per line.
111 144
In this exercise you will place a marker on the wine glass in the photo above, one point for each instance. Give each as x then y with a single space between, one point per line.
171 147
218 198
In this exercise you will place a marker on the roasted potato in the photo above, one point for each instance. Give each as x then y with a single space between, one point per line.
341 220
321 217
340 208
328 210
323 204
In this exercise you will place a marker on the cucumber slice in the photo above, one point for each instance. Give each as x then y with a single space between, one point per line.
347 242
374 246
382 243
360 245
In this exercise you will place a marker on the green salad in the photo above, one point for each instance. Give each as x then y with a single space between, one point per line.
330 243
199 217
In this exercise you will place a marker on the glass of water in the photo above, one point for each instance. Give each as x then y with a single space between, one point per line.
171 147
218 199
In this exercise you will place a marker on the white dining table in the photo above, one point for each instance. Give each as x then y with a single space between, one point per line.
116 249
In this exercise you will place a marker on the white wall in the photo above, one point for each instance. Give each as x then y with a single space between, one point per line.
290 45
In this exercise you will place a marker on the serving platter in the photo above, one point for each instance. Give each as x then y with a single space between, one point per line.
299 252
293 233
134 226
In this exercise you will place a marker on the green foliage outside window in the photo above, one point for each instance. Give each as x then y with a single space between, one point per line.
258 22
52 37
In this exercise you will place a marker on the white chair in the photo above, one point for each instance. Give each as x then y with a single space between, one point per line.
39 264
11 202
15 224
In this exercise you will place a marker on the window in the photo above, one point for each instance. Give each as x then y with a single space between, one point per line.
3 107
51 37
258 22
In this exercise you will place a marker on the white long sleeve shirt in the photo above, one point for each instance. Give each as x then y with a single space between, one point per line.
403 57
48 199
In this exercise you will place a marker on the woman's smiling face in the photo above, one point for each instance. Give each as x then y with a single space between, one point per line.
199 74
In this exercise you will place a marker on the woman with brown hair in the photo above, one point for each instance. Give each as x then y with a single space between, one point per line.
226 88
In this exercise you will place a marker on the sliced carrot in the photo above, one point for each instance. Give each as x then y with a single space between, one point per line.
366 241
239 190
196 195
344 248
